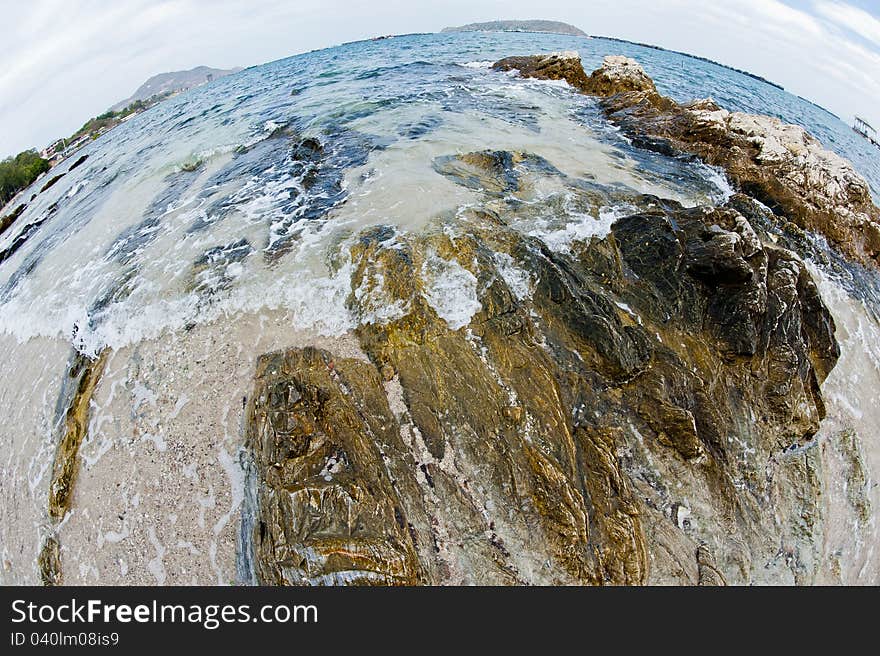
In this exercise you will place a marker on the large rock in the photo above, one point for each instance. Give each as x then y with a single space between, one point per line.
564 65
527 415
330 511
780 165
619 74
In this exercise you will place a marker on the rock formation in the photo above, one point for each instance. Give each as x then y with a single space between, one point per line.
538 415
564 65
537 438
82 377
780 165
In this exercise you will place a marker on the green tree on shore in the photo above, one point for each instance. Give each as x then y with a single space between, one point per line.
18 172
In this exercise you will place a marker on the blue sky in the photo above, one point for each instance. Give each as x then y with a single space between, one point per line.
63 61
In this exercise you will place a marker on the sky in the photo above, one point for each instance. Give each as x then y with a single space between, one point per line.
63 61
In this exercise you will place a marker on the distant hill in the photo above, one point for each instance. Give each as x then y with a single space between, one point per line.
554 27
166 83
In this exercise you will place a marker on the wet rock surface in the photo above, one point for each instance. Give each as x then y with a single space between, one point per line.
84 375
536 437
73 408
554 66
329 507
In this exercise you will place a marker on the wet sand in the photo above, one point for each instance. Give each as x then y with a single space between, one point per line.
157 497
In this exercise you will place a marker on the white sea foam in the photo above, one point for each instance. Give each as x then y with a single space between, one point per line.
315 299
396 186
579 227
478 64
375 305
518 281
451 290
718 178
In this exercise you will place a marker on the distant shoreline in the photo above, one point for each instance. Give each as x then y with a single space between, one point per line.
538 25
687 54
712 61
583 36
652 47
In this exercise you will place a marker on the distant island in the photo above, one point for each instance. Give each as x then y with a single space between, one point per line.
552 27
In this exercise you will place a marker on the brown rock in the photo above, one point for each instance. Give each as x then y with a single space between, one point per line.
537 433
780 165
49 562
619 75
554 66
513 413
85 374
708 570
328 510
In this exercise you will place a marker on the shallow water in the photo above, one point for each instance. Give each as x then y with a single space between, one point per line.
293 158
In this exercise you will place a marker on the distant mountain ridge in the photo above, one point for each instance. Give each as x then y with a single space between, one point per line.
173 82
554 27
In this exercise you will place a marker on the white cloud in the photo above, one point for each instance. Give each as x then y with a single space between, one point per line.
852 18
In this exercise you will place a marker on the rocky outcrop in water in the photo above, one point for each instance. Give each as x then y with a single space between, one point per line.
528 415
619 75
554 66
73 409
781 165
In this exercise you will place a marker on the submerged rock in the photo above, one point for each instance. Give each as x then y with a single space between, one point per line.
8 219
218 267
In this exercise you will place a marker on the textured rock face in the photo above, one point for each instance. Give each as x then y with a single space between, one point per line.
85 373
564 65
330 512
76 395
619 74
533 431
781 165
